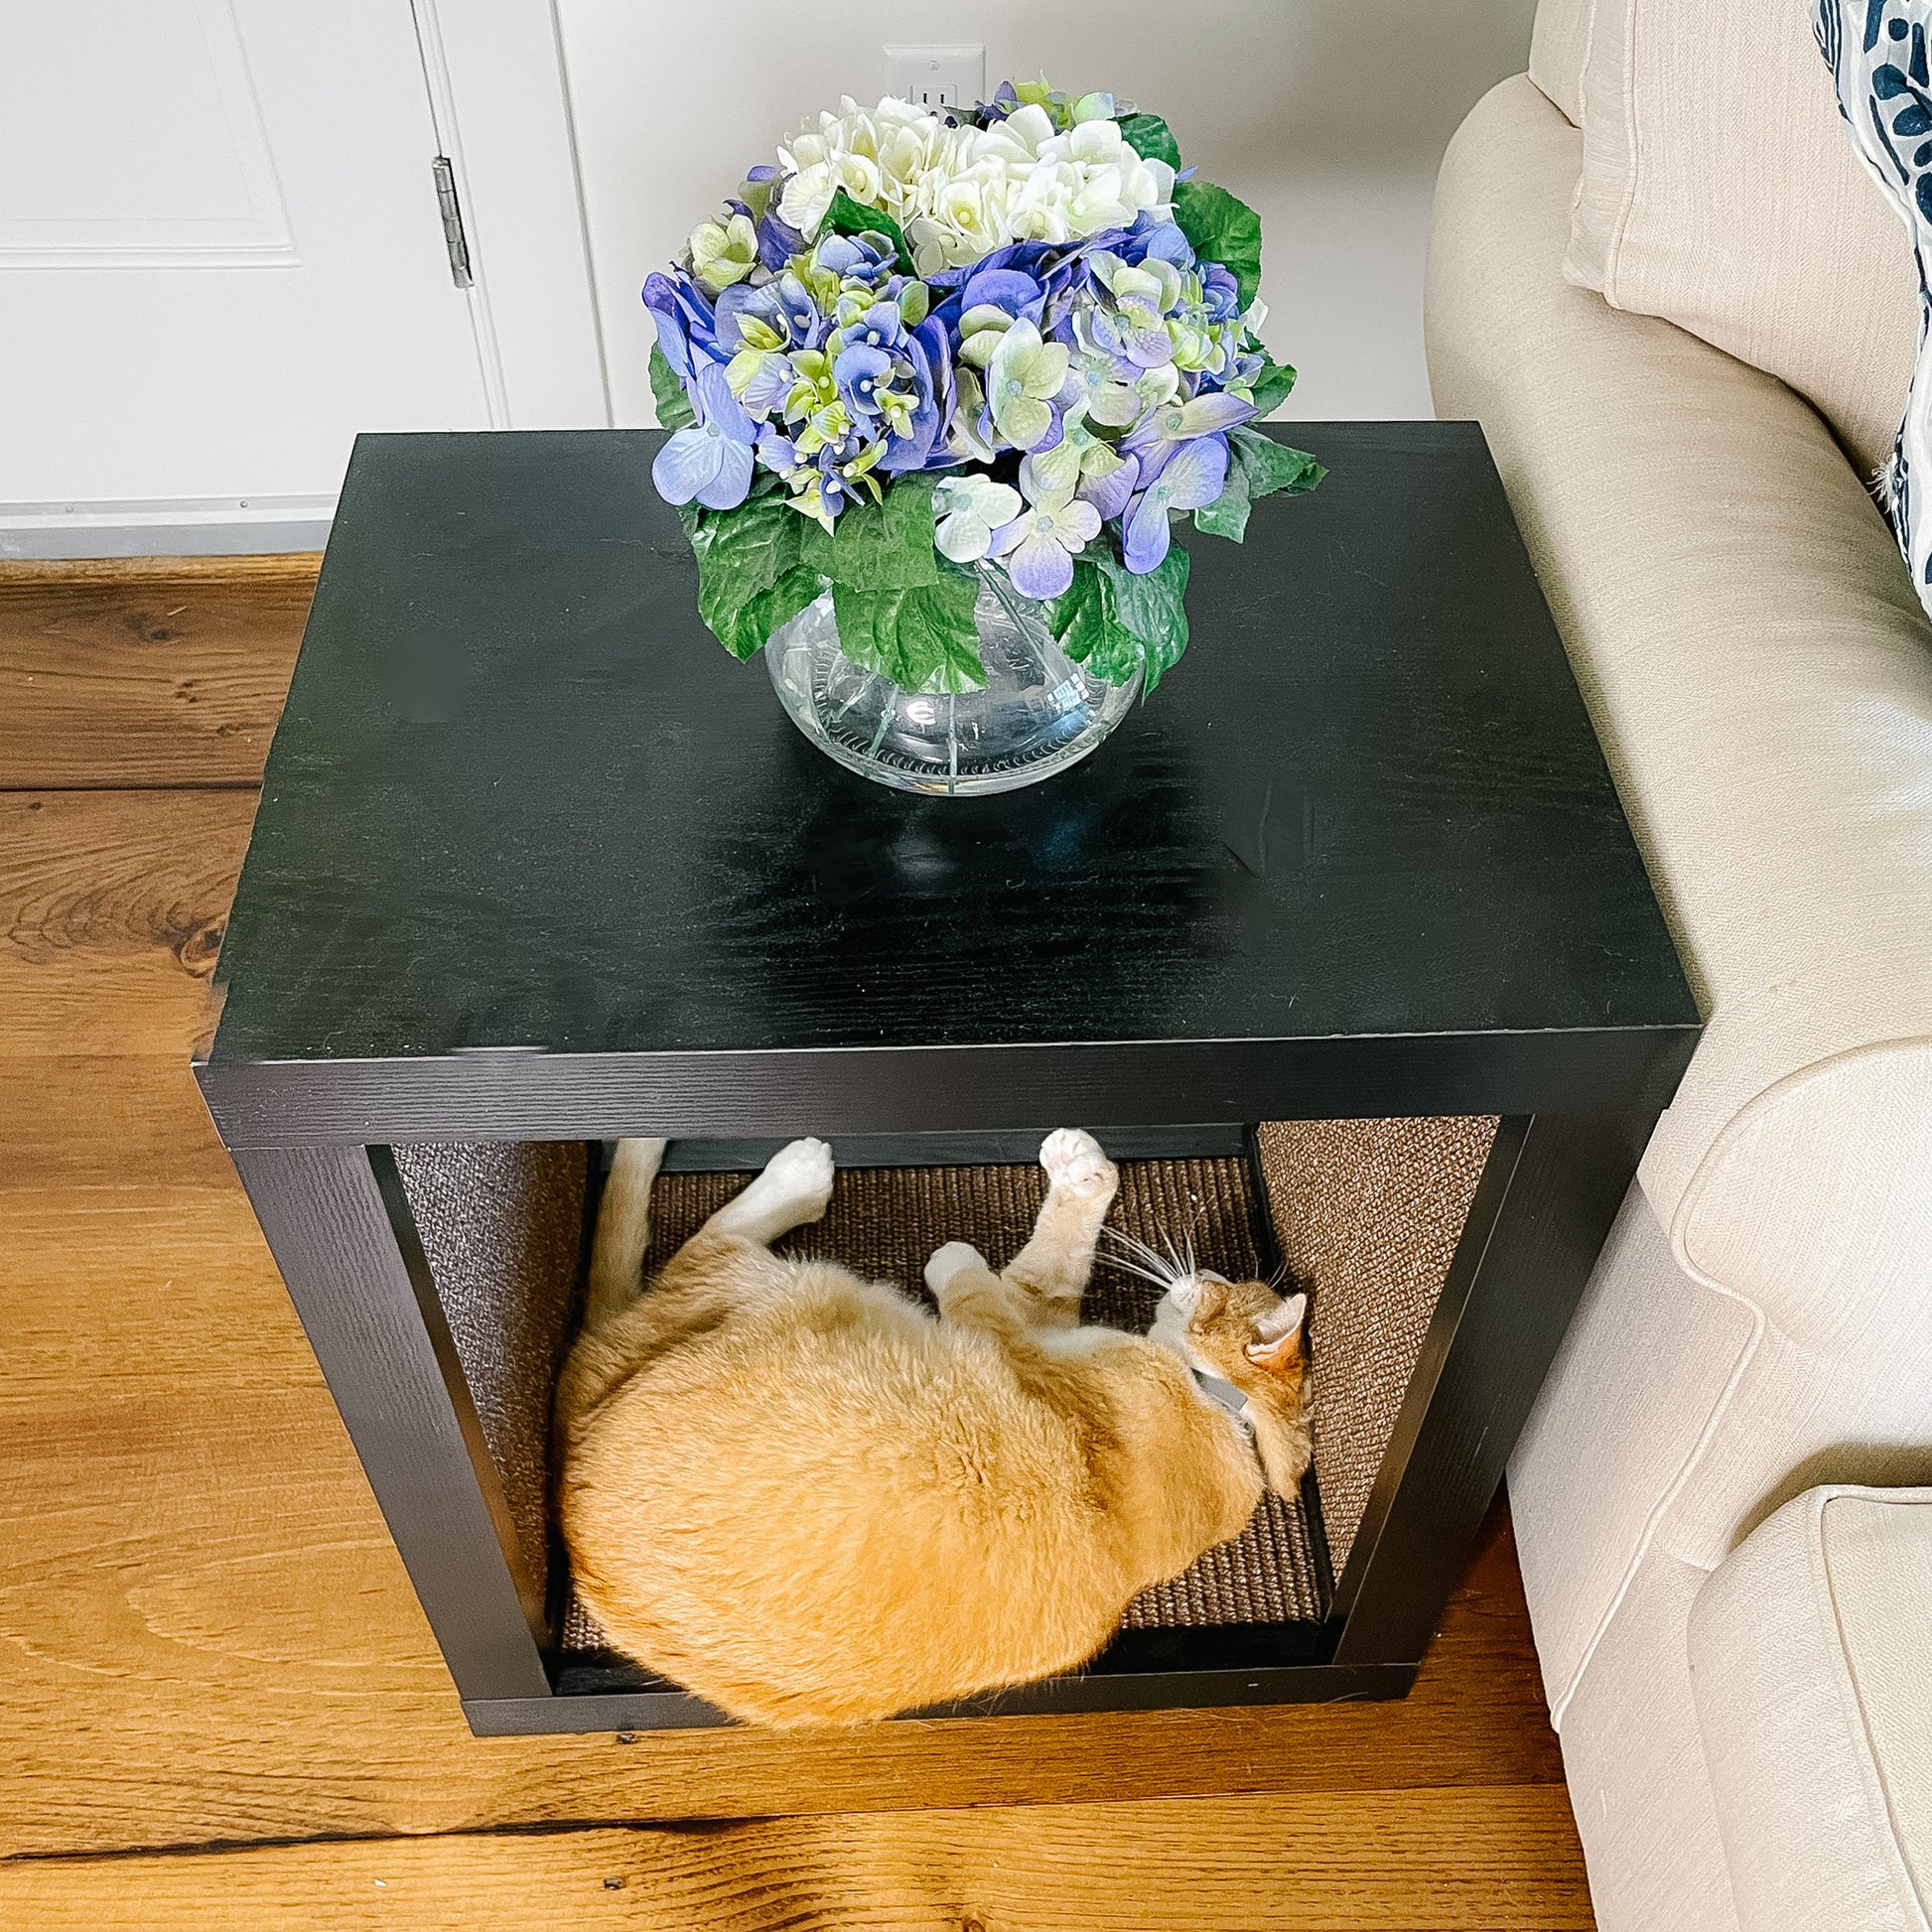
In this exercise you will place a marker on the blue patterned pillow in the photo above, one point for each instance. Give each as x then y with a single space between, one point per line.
1878 55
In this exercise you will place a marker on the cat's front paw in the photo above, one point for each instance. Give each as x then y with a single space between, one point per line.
1073 1159
802 1176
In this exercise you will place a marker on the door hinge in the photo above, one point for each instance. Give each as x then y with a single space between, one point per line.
453 236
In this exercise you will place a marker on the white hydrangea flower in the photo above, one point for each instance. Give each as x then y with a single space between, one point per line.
970 509
959 193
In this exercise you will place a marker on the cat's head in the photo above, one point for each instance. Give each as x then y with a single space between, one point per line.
1247 1334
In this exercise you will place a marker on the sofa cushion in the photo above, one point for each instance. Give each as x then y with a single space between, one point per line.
1809 1653
1717 190
1559 48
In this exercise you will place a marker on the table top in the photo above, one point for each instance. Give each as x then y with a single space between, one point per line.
522 808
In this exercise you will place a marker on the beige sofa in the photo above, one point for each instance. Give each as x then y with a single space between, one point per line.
1731 1587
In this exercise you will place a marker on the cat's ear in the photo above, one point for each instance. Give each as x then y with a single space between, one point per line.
1283 1318
1277 1342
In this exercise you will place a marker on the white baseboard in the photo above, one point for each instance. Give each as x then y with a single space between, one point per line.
180 526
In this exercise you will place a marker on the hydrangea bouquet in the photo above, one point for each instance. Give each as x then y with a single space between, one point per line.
928 350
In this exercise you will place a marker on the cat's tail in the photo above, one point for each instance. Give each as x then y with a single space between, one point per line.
622 1231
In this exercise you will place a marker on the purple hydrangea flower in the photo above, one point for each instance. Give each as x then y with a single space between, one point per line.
711 461
1196 475
852 259
860 374
930 380
684 318
1011 291
1161 239
1109 493
878 327
1040 544
778 240
1169 427
782 303
1220 293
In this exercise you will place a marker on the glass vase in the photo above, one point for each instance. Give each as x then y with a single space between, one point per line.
1038 712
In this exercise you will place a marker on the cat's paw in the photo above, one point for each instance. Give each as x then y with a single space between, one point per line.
1073 1159
800 1177
953 1259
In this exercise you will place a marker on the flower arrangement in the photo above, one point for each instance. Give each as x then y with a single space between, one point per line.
925 348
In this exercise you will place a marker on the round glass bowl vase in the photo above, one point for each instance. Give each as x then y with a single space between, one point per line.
1038 712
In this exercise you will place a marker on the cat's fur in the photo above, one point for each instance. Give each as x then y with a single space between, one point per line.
810 1502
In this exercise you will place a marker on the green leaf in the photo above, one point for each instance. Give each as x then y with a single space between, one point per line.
1150 138
1083 619
1273 464
759 618
1227 515
1115 623
674 409
847 217
1221 230
922 637
744 556
1258 465
1153 610
1273 384
881 546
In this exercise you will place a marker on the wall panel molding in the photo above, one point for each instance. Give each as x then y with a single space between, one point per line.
165 161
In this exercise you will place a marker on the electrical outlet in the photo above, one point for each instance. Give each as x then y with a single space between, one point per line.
936 76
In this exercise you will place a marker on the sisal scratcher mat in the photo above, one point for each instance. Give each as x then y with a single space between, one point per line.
1367 1214
883 1222
502 1231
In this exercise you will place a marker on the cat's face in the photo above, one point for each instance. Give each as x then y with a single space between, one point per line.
1242 1331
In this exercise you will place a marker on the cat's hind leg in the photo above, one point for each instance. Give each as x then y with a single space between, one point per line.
794 1188
1049 1274
622 1231
598 1359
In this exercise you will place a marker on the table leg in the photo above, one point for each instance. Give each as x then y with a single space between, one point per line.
346 1248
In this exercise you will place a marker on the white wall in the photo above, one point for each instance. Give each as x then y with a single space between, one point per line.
1328 116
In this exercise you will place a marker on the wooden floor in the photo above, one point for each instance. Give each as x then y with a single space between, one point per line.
220 1706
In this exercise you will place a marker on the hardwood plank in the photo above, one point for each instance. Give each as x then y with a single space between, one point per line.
112 907
131 573
167 677
1393 1862
106 1120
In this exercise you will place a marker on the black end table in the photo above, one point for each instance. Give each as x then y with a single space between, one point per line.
537 861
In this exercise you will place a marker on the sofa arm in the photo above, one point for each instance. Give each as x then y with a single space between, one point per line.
1761 673
1811 1669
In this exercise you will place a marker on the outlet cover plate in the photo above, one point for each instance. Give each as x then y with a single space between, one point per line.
953 75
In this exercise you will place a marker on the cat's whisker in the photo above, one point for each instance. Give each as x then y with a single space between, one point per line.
1147 1262
1132 1242
1162 1281
1136 1257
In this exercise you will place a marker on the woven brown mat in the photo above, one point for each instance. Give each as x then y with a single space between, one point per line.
1367 1214
884 1224
502 1229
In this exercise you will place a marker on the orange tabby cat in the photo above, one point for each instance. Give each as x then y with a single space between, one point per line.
811 1501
